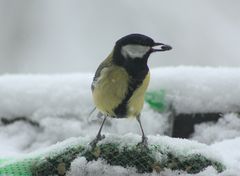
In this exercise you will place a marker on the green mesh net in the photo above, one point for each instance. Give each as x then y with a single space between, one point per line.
17 168
57 160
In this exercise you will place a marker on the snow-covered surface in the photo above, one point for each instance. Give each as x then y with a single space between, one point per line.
178 147
227 127
199 89
189 89
61 104
226 152
80 167
38 95
26 138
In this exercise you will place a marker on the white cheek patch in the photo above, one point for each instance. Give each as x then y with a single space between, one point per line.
134 51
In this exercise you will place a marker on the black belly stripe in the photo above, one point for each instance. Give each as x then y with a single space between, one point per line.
136 81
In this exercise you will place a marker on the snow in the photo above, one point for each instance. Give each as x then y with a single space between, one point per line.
80 167
199 89
227 127
61 104
229 150
38 95
189 89
57 128
178 147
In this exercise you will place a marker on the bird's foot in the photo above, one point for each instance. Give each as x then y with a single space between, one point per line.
144 142
98 138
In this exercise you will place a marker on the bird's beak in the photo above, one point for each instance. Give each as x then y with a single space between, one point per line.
162 47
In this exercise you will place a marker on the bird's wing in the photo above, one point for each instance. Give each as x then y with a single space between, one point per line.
106 63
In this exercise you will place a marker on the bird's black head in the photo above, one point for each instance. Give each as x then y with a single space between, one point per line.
136 48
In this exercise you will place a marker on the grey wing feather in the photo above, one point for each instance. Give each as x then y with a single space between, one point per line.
106 63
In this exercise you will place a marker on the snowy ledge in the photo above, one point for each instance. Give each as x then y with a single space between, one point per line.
188 89
198 89
73 156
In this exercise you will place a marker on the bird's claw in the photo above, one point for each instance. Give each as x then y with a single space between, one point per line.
144 142
96 140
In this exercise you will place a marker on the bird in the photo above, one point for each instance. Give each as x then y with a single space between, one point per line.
120 81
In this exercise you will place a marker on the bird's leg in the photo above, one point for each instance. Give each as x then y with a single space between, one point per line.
99 137
144 138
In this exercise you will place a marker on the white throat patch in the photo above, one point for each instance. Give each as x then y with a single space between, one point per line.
134 51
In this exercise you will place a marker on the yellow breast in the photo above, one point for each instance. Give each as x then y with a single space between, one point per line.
110 89
135 104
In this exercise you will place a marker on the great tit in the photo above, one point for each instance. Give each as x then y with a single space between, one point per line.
121 80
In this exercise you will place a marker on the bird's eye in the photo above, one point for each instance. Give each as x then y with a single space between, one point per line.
134 51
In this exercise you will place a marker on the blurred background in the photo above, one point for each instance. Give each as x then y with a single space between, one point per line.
62 36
